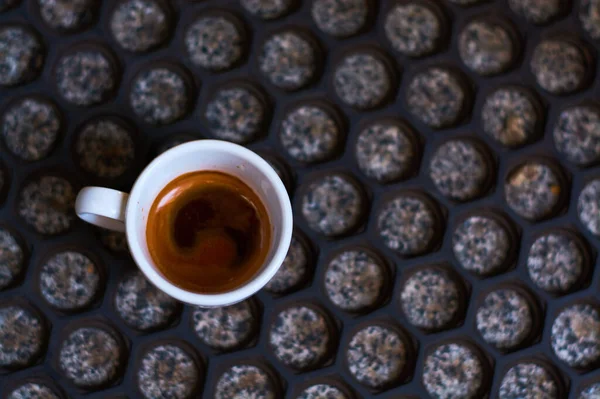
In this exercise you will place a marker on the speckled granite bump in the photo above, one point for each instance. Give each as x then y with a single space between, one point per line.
510 116
376 356
414 28
214 42
532 190
33 390
436 97
30 127
105 148
354 280
577 134
21 55
288 60
407 224
459 169
486 47
555 262
236 114
481 244
245 381
576 335
21 336
159 95
167 371
340 18
385 151
300 337
588 206
590 17
69 280
12 258
505 318
310 133
332 205
47 204
267 9
591 392
139 25
293 270
143 306
68 15
528 381
537 11
430 299
114 241
362 80
453 371
90 346
322 391
225 327
559 66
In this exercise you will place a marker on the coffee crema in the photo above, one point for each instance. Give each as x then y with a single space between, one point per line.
208 232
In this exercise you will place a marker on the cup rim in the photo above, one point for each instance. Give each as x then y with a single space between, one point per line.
260 279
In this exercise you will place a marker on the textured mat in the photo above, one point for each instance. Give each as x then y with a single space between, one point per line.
441 159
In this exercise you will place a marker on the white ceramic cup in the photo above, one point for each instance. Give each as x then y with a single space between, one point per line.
119 211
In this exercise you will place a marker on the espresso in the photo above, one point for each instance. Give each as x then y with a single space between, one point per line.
208 232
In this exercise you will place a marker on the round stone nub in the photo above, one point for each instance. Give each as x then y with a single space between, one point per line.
12 258
559 66
413 29
590 20
214 42
21 337
407 224
69 280
510 116
30 128
21 55
89 346
245 381
143 306
453 371
333 205
577 134
167 371
376 356
322 391
575 336
104 148
300 337
555 262
588 206
459 170
288 60
340 18
310 133
33 390
354 280
47 204
431 299
225 327
86 77
293 270
528 381
139 25
537 11
267 9
481 245
362 80
486 47
386 151
533 190
591 392
68 15
114 241
159 96
505 318
436 97
236 114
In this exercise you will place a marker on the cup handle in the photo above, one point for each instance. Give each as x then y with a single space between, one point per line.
103 207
